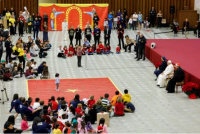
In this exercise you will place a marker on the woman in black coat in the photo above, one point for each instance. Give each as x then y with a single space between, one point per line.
78 35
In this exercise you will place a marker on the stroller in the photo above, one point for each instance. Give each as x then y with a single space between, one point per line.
45 73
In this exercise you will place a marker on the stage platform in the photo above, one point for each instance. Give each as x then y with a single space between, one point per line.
85 87
183 51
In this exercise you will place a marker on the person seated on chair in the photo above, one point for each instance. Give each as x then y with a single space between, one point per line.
161 68
175 26
186 25
61 52
168 73
29 73
197 28
179 76
129 43
90 51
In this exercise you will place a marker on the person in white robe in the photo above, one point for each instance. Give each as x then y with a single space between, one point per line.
168 73
64 29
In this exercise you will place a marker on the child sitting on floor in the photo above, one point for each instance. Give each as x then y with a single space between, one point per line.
129 107
94 48
126 97
109 49
71 50
91 102
79 109
118 50
98 50
65 50
24 124
101 46
90 51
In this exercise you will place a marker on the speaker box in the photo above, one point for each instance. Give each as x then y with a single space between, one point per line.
172 9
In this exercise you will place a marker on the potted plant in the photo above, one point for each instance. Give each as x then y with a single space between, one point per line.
191 89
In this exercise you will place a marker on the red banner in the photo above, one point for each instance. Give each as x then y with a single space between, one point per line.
78 14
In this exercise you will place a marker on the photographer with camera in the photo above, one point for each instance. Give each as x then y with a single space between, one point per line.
141 47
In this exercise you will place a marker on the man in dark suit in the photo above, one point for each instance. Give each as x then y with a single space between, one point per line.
141 47
36 25
97 34
107 32
186 25
8 45
179 76
78 35
1 47
152 17
136 45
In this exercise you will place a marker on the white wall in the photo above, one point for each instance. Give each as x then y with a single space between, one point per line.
47 1
197 5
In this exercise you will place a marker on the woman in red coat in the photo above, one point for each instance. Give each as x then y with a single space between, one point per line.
120 33
119 107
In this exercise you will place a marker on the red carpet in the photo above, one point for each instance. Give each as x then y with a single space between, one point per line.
184 51
44 89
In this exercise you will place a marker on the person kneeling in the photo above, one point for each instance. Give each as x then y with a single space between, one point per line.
61 52
129 107
29 73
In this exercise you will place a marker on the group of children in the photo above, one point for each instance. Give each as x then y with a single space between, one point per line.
59 117
86 49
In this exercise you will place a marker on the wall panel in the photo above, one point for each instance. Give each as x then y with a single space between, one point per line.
131 5
18 5
142 5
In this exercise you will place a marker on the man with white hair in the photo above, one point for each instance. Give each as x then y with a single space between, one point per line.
64 29
168 73
141 47
179 76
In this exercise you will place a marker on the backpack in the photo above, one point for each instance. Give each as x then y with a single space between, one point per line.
70 130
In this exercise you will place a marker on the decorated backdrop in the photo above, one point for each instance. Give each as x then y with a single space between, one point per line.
78 14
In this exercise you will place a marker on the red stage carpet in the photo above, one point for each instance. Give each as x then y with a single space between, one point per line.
184 51
44 89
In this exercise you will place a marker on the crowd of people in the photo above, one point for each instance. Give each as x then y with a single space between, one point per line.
59 116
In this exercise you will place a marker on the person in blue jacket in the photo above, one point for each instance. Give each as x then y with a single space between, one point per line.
41 67
15 103
36 25
110 20
40 126
24 110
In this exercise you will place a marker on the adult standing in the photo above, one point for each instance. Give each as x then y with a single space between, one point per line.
8 45
135 19
4 11
45 32
186 26
137 43
12 10
110 20
88 33
30 24
141 47
45 18
12 24
40 21
1 47
18 50
120 33
26 21
71 34
96 19
140 19
152 17
179 76
97 33
36 25
79 55
78 35
21 27
159 19
64 29
107 32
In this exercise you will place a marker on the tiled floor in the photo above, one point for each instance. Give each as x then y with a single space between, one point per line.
156 111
